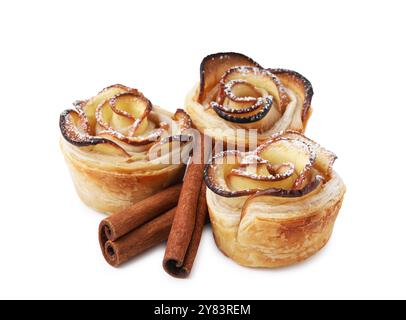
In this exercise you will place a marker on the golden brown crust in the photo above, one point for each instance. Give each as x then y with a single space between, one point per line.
111 191
265 241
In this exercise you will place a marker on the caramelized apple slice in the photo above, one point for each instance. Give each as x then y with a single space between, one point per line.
259 79
324 158
283 150
126 115
284 164
247 96
288 166
130 113
117 122
73 129
258 177
239 96
215 65
89 106
71 125
216 173
254 113
183 119
299 84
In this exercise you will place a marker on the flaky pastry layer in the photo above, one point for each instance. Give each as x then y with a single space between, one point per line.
109 188
278 234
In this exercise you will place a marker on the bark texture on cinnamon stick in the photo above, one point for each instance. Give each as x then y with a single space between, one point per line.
189 220
134 230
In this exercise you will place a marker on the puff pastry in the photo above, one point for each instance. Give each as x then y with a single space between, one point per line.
276 205
121 149
235 92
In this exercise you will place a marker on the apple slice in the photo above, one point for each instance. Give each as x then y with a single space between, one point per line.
71 125
258 177
125 117
285 150
73 128
299 84
287 165
247 96
238 96
130 111
89 106
183 119
119 123
215 65
260 79
216 173
254 113
324 158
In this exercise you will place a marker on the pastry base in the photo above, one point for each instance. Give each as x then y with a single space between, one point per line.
280 240
111 191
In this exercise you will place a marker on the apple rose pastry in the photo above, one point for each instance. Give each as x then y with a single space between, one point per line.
276 205
235 93
121 149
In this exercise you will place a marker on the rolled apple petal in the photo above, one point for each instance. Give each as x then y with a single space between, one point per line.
244 115
214 66
72 125
120 120
286 165
259 79
183 119
89 106
236 93
299 84
324 159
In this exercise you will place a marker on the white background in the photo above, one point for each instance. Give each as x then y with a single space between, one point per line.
54 52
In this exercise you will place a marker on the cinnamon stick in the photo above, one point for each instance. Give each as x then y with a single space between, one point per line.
139 227
138 241
189 221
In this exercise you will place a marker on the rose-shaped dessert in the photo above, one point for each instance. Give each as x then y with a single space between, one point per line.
235 93
276 205
121 149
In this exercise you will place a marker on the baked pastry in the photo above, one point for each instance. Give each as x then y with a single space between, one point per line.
276 205
235 92
121 149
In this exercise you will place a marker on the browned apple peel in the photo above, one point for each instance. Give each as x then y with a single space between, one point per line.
239 90
288 165
183 119
213 67
246 95
299 84
74 129
117 116
125 117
